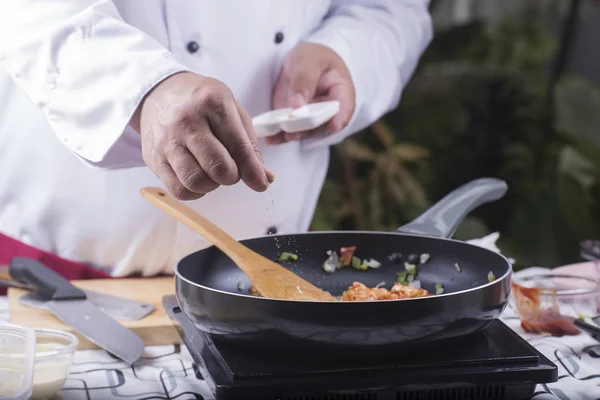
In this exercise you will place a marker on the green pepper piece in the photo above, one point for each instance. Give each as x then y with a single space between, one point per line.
402 277
355 262
285 256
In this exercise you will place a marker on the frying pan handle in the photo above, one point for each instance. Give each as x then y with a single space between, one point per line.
443 217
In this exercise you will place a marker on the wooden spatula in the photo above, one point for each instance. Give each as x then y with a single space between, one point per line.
269 278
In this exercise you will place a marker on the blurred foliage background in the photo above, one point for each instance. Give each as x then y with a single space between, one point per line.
494 95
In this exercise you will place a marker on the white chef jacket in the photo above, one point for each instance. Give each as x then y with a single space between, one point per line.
73 72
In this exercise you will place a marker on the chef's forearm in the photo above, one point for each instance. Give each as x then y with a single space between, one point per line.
85 69
381 42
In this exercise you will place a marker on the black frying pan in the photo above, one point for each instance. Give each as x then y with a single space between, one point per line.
213 292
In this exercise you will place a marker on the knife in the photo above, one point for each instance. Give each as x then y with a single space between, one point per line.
70 305
118 308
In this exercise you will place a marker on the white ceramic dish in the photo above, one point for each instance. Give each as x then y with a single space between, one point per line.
292 120
17 357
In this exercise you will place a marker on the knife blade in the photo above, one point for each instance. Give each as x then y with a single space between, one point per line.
70 305
119 308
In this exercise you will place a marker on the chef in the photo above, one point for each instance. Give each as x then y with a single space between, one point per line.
101 98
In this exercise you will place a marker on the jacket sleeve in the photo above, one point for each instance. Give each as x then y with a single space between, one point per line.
86 70
381 42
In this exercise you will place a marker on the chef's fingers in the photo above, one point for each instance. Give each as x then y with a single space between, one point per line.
276 139
304 79
320 131
247 122
249 128
333 88
212 156
285 137
188 170
342 91
227 126
167 175
336 124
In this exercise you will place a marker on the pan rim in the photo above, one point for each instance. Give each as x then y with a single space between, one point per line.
480 287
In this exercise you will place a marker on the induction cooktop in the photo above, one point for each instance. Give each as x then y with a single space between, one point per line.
492 364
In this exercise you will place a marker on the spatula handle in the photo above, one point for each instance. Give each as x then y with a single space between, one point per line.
184 214
269 278
49 285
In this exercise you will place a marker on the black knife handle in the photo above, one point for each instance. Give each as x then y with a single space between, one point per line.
49 285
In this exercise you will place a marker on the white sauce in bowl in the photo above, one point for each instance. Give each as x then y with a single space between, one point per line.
11 380
51 370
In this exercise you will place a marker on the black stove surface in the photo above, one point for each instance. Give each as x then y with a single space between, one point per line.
493 364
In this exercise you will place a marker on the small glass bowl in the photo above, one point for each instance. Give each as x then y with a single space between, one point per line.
576 296
53 360
17 357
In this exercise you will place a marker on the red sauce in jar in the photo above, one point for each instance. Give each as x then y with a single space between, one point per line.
535 319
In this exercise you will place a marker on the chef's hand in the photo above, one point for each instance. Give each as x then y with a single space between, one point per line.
196 137
312 73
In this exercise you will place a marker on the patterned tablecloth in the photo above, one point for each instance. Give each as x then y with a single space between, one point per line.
168 372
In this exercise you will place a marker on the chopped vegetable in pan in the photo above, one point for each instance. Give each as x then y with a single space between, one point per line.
359 265
439 288
285 256
406 285
402 276
346 259
371 263
332 263
410 268
346 254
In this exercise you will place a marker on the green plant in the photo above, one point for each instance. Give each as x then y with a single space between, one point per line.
578 189
478 106
376 187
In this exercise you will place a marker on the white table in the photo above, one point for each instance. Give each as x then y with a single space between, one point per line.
168 371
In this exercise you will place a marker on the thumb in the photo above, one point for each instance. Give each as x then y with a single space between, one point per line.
303 85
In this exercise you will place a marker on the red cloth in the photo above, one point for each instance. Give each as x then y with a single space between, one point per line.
70 270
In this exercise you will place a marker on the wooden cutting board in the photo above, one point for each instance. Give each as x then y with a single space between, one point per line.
154 329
